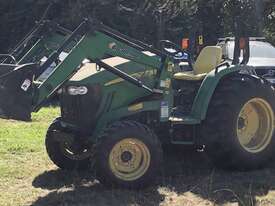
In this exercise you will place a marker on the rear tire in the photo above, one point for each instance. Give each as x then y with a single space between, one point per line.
128 155
238 132
60 152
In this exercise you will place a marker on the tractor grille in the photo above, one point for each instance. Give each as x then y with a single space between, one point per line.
69 109
80 110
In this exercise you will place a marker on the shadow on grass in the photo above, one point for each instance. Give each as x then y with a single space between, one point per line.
75 189
183 172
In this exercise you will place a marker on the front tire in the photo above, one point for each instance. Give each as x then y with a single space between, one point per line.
64 154
128 155
238 132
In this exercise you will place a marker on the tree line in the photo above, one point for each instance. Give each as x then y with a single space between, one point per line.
146 20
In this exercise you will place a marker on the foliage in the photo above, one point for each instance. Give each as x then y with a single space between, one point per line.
269 28
141 18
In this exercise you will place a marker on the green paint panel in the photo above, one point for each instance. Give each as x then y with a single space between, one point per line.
206 91
123 112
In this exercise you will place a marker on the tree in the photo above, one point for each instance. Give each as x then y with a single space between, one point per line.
143 19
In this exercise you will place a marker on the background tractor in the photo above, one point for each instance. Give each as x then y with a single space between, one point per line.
122 101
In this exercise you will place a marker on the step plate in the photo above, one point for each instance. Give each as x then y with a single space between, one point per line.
184 120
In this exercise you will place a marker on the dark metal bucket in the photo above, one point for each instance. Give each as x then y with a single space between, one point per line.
16 91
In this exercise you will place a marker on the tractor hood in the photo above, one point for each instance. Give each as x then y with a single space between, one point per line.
90 69
90 73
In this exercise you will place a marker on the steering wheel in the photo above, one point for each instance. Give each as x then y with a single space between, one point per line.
178 54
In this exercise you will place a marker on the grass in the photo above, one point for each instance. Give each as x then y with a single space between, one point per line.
22 155
27 177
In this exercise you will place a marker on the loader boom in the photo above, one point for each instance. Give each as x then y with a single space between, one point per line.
93 45
92 41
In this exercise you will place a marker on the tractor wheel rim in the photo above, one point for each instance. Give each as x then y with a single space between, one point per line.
255 125
129 159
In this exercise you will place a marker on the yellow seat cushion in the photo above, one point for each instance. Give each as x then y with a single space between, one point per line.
209 58
189 75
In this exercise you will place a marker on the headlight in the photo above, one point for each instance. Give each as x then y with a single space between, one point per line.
74 90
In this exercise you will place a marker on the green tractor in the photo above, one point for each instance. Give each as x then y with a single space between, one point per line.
122 100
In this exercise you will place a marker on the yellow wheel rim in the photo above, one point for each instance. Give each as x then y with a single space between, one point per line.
129 159
255 125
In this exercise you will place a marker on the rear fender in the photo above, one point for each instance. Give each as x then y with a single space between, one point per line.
207 89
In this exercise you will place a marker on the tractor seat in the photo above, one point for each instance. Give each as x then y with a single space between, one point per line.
209 58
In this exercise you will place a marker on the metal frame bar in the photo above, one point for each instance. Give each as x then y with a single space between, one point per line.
56 54
129 41
123 75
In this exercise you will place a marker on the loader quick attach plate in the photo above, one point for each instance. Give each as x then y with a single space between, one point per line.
16 91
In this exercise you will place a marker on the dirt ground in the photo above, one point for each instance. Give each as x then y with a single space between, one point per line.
188 178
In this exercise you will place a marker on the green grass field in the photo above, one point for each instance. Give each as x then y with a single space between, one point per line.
27 177
22 156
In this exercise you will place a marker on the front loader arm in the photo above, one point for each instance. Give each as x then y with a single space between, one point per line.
61 74
94 45
94 42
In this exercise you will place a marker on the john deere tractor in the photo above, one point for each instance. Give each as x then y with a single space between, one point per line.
122 101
